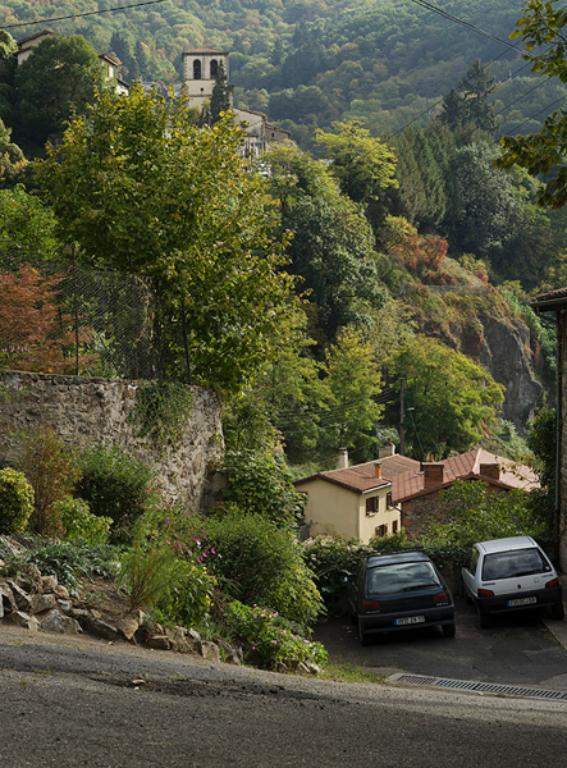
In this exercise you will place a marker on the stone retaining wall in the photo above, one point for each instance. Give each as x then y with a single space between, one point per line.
93 411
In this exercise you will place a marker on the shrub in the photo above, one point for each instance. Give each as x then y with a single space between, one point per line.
260 563
16 501
52 471
268 640
334 561
70 561
115 485
79 524
260 483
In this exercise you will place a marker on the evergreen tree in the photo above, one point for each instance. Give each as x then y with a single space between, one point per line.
142 60
121 47
220 100
468 106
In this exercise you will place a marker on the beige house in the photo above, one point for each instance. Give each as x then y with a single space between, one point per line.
355 502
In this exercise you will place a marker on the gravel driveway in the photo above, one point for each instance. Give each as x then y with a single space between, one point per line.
517 649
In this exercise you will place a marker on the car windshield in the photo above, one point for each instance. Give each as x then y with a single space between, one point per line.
510 565
401 577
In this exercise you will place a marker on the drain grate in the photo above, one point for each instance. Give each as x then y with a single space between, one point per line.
497 689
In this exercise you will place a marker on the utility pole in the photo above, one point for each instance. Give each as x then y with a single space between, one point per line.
402 429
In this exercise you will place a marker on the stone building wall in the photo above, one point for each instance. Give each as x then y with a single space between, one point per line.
92 411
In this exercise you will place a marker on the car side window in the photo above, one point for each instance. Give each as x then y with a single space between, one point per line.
474 561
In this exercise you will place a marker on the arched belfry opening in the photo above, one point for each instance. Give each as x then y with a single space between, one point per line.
197 74
214 68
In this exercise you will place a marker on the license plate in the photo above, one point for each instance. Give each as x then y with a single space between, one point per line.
522 601
410 620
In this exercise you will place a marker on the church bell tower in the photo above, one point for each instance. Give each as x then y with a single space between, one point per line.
200 67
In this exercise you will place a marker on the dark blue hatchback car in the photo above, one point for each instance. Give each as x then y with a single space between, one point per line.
400 591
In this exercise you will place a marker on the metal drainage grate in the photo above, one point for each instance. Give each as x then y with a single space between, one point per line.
497 689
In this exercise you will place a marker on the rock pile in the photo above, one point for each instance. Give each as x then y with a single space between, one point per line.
36 602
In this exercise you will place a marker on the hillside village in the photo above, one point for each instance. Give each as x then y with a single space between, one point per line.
282 387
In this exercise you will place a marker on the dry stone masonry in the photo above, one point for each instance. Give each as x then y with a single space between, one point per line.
93 411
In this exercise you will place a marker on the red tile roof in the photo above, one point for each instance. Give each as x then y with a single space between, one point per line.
408 481
551 299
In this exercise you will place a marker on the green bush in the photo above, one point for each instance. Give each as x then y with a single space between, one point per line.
259 483
79 524
259 563
334 561
71 561
16 501
269 641
52 471
115 485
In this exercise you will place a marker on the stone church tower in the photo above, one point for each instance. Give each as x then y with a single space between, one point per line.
200 66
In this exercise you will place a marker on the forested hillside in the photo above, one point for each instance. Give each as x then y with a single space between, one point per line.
310 62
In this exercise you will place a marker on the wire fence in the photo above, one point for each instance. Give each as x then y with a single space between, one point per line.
63 318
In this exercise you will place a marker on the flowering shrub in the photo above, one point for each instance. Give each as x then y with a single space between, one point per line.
334 561
269 641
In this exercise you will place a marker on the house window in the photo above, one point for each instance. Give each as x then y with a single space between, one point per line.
395 526
214 68
389 501
372 505
381 530
196 70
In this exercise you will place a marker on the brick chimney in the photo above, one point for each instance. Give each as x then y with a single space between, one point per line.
490 470
434 473
342 458
386 450
377 470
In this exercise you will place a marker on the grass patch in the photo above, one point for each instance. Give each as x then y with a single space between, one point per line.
344 672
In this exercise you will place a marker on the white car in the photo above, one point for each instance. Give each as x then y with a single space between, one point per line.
513 574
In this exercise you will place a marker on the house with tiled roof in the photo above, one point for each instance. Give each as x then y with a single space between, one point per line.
555 302
380 497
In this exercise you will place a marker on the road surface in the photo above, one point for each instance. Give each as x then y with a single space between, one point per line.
71 703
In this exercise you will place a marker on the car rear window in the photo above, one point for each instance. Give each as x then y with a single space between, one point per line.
400 577
511 565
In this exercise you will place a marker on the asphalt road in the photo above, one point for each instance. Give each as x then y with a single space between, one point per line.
516 649
81 703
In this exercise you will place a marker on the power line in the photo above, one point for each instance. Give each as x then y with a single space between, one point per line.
457 20
80 15
539 111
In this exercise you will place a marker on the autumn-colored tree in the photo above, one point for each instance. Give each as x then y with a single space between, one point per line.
422 255
34 333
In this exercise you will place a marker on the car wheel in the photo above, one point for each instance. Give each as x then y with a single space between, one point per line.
448 630
362 635
557 612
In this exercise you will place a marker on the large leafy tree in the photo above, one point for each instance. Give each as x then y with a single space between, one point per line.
451 401
544 24
332 245
12 160
60 77
142 191
364 165
468 107
27 230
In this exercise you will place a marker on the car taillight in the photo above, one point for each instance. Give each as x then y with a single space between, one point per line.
370 605
441 598
552 584
485 593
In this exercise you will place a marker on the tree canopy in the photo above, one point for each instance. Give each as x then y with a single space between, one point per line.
142 191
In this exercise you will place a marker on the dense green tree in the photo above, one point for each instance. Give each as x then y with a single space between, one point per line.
220 99
332 245
142 62
451 401
121 47
354 380
544 24
364 165
143 191
27 230
60 77
12 160
468 107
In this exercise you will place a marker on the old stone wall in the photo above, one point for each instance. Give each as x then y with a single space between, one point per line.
89 411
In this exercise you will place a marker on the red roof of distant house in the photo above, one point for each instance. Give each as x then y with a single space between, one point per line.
408 479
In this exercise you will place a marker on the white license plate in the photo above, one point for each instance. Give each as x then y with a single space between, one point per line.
522 601
410 620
